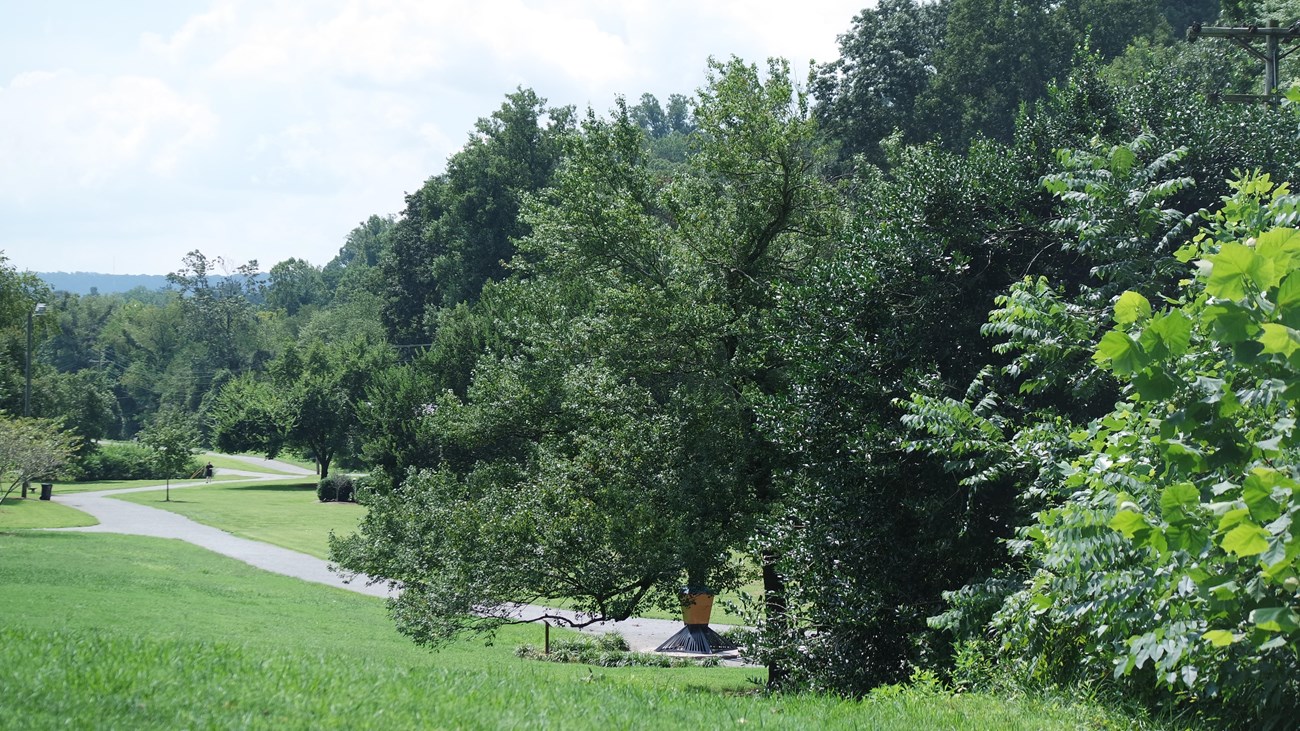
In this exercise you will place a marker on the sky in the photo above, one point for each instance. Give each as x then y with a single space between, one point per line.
134 132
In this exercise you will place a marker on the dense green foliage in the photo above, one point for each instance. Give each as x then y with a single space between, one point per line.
839 342
127 461
337 488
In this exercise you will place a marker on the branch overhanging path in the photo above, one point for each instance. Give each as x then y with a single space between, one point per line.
119 516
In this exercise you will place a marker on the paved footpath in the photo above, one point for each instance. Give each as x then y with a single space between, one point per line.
120 516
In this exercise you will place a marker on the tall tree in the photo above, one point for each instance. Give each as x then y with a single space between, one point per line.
294 284
996 55
458 230
607 447
355 268
218 302
887 60
308 403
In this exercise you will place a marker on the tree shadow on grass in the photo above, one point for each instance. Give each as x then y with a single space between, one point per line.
298 487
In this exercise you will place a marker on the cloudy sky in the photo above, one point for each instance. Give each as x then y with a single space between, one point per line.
133 132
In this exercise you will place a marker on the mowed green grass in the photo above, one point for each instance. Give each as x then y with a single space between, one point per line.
125 632
258 464
285 513
16 512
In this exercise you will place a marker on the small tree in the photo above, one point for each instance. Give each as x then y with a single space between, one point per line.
32 449
309 403
172 437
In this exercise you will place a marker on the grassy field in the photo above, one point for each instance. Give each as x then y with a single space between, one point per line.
33 513
287 514
282 512
109 631
259 464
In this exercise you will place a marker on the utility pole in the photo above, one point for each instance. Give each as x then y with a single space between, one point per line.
38 309
1270 35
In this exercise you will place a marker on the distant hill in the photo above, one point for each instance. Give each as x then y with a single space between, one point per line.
88 282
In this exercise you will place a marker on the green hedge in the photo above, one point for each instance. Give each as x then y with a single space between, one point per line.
123 461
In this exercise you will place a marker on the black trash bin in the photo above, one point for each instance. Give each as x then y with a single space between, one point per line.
47 490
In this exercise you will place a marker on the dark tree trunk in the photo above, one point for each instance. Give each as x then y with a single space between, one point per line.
774 609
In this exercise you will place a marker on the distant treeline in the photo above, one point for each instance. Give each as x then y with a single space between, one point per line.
96 283
90 283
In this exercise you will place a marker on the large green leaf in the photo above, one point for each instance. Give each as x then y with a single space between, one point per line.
1179 499
1281 246
1276 619
1230 322
1279 339
1247 539
1124 355
1219 637
1131 307
1237 269
1288 300
1129 523
1257 492
1174 330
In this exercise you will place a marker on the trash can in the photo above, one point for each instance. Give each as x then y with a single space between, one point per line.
47 490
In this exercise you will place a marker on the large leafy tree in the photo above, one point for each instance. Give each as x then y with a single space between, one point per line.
996 55
32 449
887 60
308 403
218 302
19 292
458 230
294 284
608 450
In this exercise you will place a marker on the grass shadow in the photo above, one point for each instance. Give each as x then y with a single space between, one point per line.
299 487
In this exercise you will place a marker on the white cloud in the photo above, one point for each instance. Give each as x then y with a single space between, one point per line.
63 130
268 128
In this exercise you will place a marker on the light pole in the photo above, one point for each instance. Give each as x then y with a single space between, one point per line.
39 309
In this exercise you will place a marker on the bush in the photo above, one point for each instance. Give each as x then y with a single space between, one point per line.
608 651
123 461
336 487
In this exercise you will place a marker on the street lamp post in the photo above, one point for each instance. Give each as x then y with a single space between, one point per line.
27 391
39 309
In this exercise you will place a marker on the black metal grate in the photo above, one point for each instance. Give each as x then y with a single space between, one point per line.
696 639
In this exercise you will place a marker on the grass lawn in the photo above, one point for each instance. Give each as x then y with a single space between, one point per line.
109 631
283 512
33 513
224 461
287 514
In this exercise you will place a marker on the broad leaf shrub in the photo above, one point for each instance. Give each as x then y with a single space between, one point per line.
336 487
1171 565
125 461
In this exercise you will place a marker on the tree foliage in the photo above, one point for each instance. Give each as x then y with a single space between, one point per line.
309 402
606 448
32 449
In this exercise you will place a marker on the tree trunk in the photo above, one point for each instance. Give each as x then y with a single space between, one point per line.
774 609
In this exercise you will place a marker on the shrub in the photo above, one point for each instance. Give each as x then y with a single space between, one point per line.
124 461
336 487
608 651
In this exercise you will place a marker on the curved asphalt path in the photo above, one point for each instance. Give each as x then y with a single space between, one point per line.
120 516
